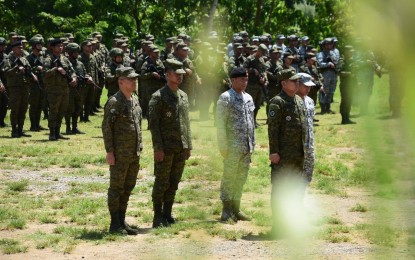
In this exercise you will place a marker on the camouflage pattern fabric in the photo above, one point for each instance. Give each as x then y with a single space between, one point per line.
236 138
121 130
111 79
169 121
309 154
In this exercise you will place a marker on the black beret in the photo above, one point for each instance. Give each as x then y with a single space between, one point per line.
238 72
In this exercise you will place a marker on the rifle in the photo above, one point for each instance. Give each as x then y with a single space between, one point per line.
58 64
154 69
84 79
27 72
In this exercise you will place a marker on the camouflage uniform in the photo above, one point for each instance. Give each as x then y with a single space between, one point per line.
309 155
274 86
317 79
148 83
286 133
347 87
324 59
236 138
36 95
91 67
18 89
111 80
169 124
121 130
57 91
3 95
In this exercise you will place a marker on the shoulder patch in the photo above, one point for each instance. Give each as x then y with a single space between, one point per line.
272 113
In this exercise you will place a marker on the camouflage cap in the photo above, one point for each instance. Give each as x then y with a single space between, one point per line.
262 48
288 55
305 38
96 34
175 65
11 34
182 46
289 75
146 42
35 40
154 48
293 37
327 40
127 72
150 37
116 52
68 35
276 50
119 35
181 36
311 55
169 40
244 34
86 42
237 45
71 47
124 44
306 79
2 41
280 37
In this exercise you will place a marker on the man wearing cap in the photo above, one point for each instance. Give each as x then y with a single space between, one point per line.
237 60
111 79
36 95
280 42
236 141
257 78
19 77
273 67
13 37
286 133
4 100
121 130
169 124
152 77
168 49
306 83
91 65
58 77
292 48
310 68
76 93
327 62
302 50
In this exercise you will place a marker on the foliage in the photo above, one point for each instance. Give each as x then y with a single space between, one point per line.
317 18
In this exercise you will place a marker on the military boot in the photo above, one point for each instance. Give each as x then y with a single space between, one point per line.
323 108
33 124
21 133
52 136
158 219
115 226
329 109
58 134
167 208
75 129
236 204
227 212
68 125
123 223
15 134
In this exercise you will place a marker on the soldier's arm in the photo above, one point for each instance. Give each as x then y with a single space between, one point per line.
274 123
145 73
154 118
222 118
321 62
108 124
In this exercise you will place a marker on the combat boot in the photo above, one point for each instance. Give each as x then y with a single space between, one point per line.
21 133
115 226
15 134
123 223
58 134
33 125
52 136
68 125
329 109
323 108
167 208
75 129
236 205
68 130
158 219
227 212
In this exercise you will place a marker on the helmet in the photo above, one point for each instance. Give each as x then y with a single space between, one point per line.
116 52
71 47
35 40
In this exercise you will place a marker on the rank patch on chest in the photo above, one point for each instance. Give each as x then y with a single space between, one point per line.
168 114
288 118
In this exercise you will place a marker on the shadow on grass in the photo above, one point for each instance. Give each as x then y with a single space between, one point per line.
268 236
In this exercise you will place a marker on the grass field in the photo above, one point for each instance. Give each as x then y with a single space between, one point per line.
53 194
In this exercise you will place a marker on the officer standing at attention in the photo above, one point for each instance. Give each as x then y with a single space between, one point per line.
169 124
286 133
236 141
121 129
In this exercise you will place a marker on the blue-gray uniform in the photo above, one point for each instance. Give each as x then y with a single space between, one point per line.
236 138
309 155
325 59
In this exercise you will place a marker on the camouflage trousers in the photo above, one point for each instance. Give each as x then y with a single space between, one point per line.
123 177
168 174
235 173
35 102
309 158
18 103
58 105
76 101
4 101
330 84
256 93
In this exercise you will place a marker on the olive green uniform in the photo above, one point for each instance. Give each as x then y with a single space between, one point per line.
36 93
148 83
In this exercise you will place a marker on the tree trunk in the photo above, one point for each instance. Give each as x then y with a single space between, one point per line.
270 17
258 15
212 15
